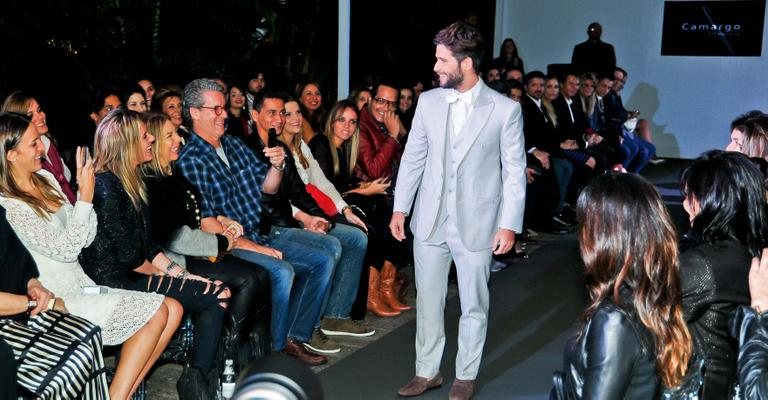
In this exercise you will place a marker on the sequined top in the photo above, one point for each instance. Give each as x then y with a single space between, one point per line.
715 281
124 239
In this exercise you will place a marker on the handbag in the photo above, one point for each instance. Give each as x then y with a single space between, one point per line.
322 200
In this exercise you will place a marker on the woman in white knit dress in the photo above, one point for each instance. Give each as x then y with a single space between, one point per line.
55 232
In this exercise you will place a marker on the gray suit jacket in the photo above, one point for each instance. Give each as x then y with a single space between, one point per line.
490 187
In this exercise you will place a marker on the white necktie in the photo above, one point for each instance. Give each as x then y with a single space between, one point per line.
460 109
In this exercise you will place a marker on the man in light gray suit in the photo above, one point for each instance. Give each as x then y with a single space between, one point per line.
465 159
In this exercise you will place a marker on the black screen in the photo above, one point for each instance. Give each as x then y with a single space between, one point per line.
713 28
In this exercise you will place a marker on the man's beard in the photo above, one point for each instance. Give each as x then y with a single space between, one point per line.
453 81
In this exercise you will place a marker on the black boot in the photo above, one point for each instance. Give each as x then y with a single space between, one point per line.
193 385
233 349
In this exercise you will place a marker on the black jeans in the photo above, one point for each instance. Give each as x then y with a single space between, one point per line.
202 300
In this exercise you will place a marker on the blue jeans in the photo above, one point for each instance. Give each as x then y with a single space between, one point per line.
346 278
638 152
296 303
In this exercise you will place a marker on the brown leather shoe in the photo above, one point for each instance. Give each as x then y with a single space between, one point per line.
419 385
307 357
462 390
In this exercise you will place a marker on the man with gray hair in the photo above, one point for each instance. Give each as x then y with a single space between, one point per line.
231 180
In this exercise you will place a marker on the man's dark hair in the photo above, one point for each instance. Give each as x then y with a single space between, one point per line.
741 119
532 75
499 86
621 70
98 97
258 98
602 76
564 76
387 83
515 84
463 40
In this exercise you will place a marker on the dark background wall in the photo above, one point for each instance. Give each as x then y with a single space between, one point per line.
62 50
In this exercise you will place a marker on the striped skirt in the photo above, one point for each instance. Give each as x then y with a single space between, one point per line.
58 356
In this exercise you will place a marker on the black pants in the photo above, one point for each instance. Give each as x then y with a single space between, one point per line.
250 287
198 298
7 372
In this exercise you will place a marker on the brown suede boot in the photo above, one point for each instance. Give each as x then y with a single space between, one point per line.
375 304
388 295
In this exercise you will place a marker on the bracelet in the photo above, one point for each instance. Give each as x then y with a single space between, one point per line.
171 266
31 304
183 275
280 168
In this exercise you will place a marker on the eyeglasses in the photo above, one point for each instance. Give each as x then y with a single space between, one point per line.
382 101
216 110
344 121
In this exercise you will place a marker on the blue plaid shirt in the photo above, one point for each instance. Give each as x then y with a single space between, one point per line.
233 191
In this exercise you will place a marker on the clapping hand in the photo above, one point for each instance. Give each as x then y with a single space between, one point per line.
85 175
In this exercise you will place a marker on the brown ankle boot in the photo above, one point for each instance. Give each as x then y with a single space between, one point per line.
375 305
388 295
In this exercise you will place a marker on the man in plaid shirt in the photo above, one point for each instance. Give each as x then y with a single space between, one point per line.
230 179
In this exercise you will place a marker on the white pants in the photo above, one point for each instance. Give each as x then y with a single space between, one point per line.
433 261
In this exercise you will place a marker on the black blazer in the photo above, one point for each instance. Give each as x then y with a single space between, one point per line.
276 208
124 238
566 128
537 129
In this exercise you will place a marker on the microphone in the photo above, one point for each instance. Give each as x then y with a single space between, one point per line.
272 138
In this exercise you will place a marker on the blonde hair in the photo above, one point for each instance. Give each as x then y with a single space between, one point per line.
160 162
353 143
117 146
588 103
12 128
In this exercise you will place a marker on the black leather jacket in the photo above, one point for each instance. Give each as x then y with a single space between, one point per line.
752 330
276 208
613 358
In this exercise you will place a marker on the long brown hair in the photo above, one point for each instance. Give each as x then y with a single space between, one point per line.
12 128
295 143
353 143
626 237
117 146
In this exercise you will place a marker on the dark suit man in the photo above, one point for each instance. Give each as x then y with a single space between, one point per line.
594 55
542 141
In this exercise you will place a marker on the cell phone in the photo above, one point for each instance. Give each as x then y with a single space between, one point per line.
95 289
272 138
